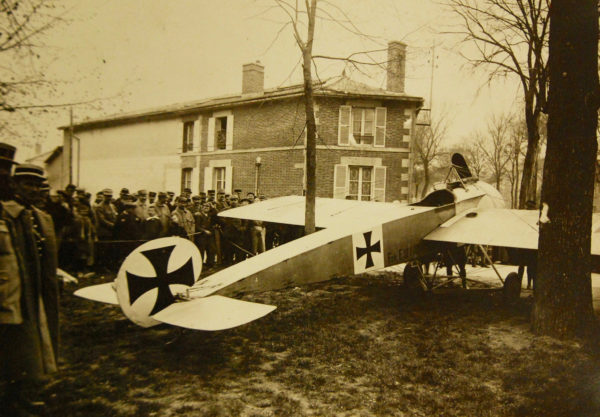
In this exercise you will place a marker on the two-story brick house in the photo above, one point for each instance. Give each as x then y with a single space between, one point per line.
255 140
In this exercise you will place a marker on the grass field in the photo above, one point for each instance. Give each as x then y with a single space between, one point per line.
359 346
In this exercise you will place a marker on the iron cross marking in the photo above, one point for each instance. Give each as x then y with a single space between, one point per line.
159 258
376 247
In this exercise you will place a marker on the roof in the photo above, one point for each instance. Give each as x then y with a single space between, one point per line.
340 86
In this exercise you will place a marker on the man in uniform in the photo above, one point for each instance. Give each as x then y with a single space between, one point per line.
202 195
142 206
196 206
204 238
151 197
119 203
106 216
163 212
28 295
170 203
182 219
128 230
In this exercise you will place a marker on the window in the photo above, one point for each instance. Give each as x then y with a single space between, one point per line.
220 132
188 137
360 183
362 126
219 182
186 178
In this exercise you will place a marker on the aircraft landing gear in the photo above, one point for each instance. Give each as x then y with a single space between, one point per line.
413 281
512 288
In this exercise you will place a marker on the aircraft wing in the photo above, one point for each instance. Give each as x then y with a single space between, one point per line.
328 211
499 227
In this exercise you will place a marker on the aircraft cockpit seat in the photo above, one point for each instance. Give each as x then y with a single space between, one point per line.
436 199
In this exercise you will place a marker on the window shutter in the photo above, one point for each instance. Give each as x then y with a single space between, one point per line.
379 184
208 171
198 135
210 140
228 179
183 143
229 138
340 182
344 125
380 120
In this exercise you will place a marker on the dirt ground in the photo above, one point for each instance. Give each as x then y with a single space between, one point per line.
359 346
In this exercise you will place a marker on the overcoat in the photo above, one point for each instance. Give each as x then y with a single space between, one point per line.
29 327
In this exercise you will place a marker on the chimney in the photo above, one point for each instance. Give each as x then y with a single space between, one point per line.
396 65
253 78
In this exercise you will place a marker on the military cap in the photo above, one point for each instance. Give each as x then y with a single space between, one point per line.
7 153
196 198
152 193
124 190
171 193
70 186
107 191
202 194
221 192
29 170
237 190
187 190
161 194
142 192
211 192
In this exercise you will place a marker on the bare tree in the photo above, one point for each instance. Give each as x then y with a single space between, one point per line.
23 25
511 38
495 147
563 298
428 148
306 45
518 136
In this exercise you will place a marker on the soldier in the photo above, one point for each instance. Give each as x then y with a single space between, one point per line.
238 193
163 212
152 225
221 204
250 197
141 209
151 197
99 199
182 220
196 204
119 204
170 197
128 229
202 196
106 215
28 294
204 238
187 193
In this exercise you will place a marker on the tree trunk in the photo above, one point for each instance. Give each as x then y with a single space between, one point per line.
563 298
311 129
529 179
425 180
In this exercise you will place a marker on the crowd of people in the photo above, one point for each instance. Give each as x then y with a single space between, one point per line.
102 232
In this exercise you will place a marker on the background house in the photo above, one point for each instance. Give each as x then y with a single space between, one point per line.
255 141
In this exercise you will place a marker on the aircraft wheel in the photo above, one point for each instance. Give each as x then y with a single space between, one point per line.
512 288
412 279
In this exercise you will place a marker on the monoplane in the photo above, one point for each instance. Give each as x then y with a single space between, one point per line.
159 281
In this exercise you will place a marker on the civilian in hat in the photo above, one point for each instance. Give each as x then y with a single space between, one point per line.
28 294
151 197
163 212
142 205
182 220
7 155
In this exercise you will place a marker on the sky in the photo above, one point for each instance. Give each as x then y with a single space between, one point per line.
137 54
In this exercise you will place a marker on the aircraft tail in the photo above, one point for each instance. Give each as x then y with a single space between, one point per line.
150 280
